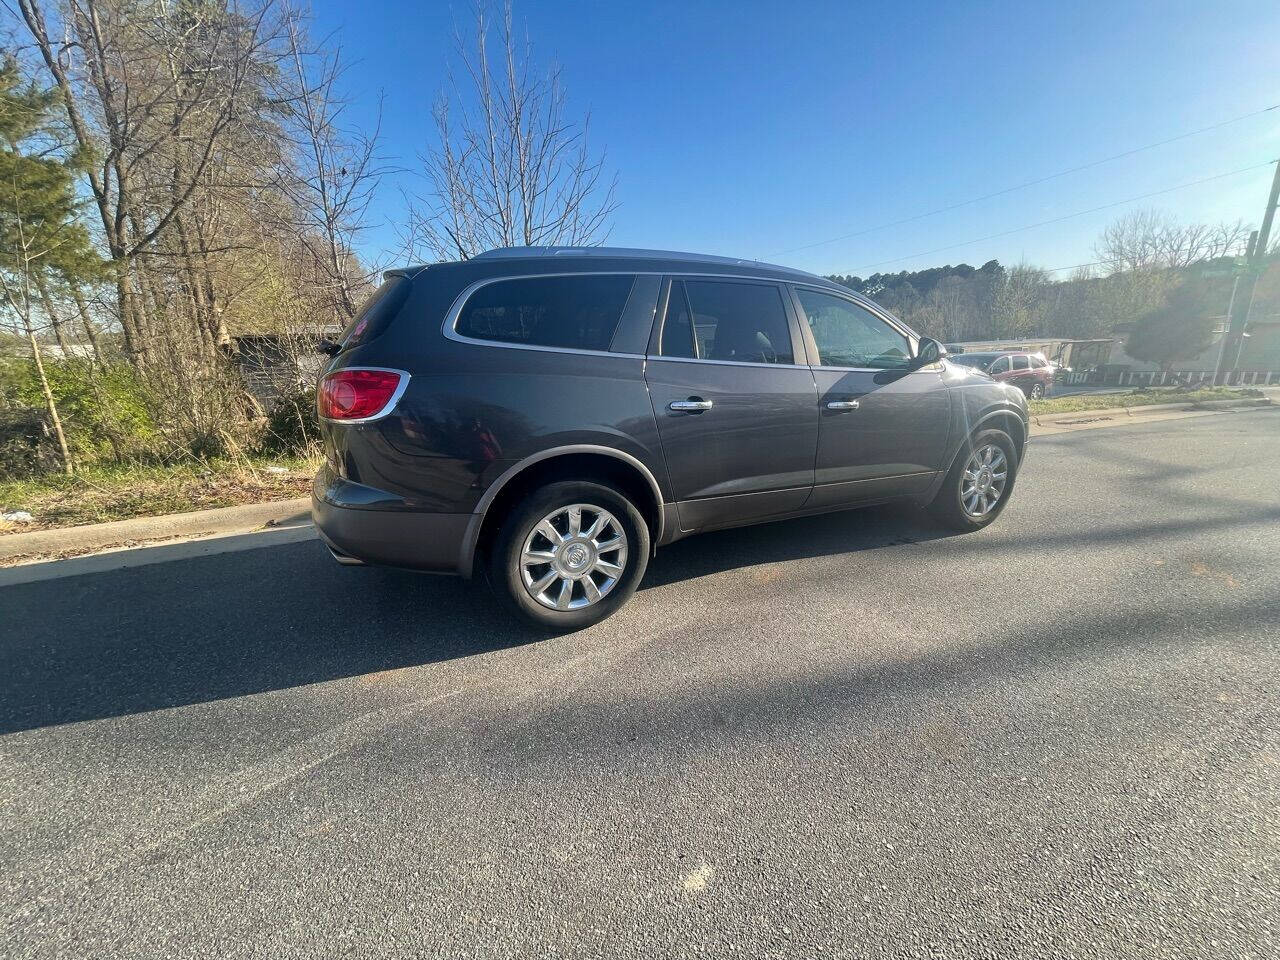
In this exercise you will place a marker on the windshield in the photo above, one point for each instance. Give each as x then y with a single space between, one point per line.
979 360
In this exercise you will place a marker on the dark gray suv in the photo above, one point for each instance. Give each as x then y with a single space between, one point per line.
554 415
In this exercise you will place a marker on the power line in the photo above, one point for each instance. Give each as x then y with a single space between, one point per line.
1080 266
1030 183
1068 216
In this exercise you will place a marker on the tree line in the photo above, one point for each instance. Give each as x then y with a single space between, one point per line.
1149 266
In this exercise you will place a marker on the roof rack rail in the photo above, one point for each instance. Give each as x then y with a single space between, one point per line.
501 253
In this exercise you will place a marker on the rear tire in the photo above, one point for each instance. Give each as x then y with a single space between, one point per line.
569 555
966 491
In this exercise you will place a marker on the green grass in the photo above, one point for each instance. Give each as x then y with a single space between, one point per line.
1138 398
99 494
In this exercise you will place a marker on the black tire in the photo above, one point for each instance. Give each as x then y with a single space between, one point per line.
505 569
948 507
1037 391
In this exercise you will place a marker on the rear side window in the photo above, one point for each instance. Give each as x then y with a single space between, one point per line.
579 313
1001 365
734 322
1021 363
373 318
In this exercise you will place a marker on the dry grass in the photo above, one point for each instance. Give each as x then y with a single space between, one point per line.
118 493
1137 398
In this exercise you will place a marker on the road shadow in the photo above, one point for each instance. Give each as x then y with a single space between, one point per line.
832 534
208 628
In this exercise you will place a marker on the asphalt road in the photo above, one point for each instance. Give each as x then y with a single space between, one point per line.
845 736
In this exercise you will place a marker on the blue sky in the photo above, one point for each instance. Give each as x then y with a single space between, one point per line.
753 129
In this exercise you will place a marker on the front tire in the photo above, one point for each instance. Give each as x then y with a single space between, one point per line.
1037 391
979 483
570 555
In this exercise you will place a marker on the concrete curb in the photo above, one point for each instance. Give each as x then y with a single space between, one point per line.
200 523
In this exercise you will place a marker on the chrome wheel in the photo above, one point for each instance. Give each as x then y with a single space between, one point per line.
982 484
574 557
1037 391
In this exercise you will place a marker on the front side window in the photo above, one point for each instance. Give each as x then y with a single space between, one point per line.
1039 363
849 336
720 320
579 313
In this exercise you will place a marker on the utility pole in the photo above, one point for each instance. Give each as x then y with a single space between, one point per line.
1242 294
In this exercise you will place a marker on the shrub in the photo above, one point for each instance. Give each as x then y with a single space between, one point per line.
26 443
291 428
106 414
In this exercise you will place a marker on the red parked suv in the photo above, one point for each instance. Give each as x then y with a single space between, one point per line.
1029 372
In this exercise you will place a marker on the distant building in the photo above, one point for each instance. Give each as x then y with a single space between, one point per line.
1106 355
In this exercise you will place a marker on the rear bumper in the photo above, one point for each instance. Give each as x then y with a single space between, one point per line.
365 525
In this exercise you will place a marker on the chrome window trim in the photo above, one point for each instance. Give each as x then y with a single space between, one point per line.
390 405
653 358
902 370
867 305
450 331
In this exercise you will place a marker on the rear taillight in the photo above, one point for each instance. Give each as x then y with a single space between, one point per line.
359 393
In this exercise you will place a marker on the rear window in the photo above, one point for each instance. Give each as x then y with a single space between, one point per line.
376 314
579 313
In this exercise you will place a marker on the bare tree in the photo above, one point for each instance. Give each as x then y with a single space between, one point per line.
509 168
146 93
334 171
1019 306
1153 240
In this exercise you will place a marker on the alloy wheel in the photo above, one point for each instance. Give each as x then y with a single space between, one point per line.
573 557
983 481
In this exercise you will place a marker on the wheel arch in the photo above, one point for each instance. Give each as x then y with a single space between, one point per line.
1006 419
572 462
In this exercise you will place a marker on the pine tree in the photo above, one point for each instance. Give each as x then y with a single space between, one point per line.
1179 330
39 236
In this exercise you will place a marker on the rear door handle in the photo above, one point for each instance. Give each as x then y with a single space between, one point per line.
692 405
843 404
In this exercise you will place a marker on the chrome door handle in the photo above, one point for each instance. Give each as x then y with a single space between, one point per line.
689 406
843 404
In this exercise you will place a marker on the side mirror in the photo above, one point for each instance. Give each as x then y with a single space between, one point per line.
930 351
